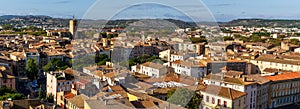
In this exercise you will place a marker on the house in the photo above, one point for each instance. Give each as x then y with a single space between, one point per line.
7 79
18 63
190 68
182 55
63 97
242 84
215 97
152 69
32 54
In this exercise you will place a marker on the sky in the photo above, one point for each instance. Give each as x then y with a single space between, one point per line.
219 10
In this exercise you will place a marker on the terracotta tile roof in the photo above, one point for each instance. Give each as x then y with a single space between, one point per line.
284 76
190 64
278 59
119 90
239 81
153 65
110 75
272 70
259 79
223 92
69 95
99 73
78 101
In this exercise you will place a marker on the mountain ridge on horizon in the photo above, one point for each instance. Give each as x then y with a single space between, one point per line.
237 22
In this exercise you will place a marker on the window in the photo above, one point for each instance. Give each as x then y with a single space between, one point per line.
219 102
225 103
207 98
213 100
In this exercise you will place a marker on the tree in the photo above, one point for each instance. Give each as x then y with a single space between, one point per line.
7 27
50 98
226 38
6 93
184 97
42 93
56 64
198 40
294 41
31 69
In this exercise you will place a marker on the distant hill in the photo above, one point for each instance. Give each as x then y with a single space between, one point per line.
47 21
263 23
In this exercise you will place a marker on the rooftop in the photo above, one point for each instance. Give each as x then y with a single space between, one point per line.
78 101
223 92
153 65
284 76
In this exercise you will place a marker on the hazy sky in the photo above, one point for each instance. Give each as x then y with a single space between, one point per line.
222 10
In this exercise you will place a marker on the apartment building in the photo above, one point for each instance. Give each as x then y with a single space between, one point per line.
284 89
59 82
280 62
151 69
262 93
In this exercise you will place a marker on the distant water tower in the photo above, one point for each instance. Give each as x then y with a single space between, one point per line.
72 25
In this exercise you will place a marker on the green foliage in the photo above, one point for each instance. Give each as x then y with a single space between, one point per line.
294 41
50 98
7 27
261 34
184 97
31 69
226 38
139 60
6 93
56 64
142 59
42 93
109 36
256 38
275 42
198 40
101 59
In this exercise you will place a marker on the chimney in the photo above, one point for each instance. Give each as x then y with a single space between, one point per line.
222 76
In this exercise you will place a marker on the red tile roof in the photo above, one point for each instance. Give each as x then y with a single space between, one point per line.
284 76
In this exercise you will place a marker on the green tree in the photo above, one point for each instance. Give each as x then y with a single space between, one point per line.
6 93
198 40
31 69
50 98
226 38
184 97
56 64
42 93
294 41
7 27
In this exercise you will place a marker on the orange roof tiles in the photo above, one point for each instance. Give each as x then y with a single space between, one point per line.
69 95
223 92
284 76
